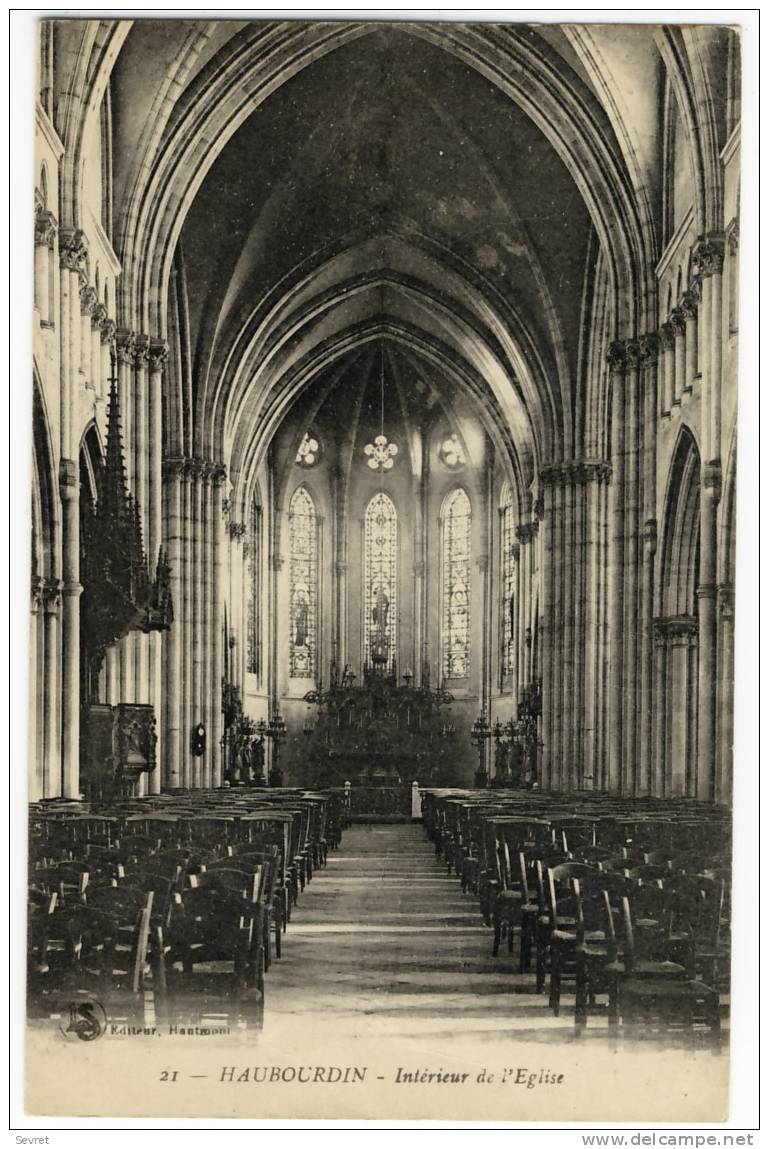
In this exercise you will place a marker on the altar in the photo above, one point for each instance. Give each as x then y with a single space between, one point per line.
379 734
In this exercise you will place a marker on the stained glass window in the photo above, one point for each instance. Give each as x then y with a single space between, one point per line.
254 576
451 451
455 629
507 606
303 545
381 582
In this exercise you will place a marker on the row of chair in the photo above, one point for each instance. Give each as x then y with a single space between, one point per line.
131 900
626 899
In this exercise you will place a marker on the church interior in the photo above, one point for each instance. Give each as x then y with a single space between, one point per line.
383 507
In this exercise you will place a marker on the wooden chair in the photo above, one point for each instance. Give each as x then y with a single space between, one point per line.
654 992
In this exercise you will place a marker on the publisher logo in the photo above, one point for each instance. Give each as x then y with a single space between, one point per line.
86 1020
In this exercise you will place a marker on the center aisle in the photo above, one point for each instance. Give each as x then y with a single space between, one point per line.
383 942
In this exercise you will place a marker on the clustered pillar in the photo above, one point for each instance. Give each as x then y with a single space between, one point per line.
192 650
573 611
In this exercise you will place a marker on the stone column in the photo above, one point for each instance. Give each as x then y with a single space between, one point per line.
107 343
51 780
631 564
138 448
557 634
218 476
69 488
125 344
546 609
89 302
197 563
72 253
98 319
679 643
678 323
648 346
485 661
340 567
726 695
708 260
617 359
524 535
572 609
583 642
186 625
45 235
205 614
153 519
171 762
659 788
667 367
710 494
689 304
35 692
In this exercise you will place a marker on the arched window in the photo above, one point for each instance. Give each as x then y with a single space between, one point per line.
303 543
253 633
380 590
455 623
507 581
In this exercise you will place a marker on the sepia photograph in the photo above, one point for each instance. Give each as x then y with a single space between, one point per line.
382 568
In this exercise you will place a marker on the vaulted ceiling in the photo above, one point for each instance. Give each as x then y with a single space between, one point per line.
392 190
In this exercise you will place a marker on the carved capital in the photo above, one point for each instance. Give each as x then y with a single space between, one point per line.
678 321
73 249
632 353
68 476
689 304
218 474
89 300
525 532
676 627
577 472
158 355
108 331
708 256
174 468
51 594
45 228
236 531
98 316
616 356
667 336
711 479
649 345
125 346
707 590
649 535
36 591
141 350
726 601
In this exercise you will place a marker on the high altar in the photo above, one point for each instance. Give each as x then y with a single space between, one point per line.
381 732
